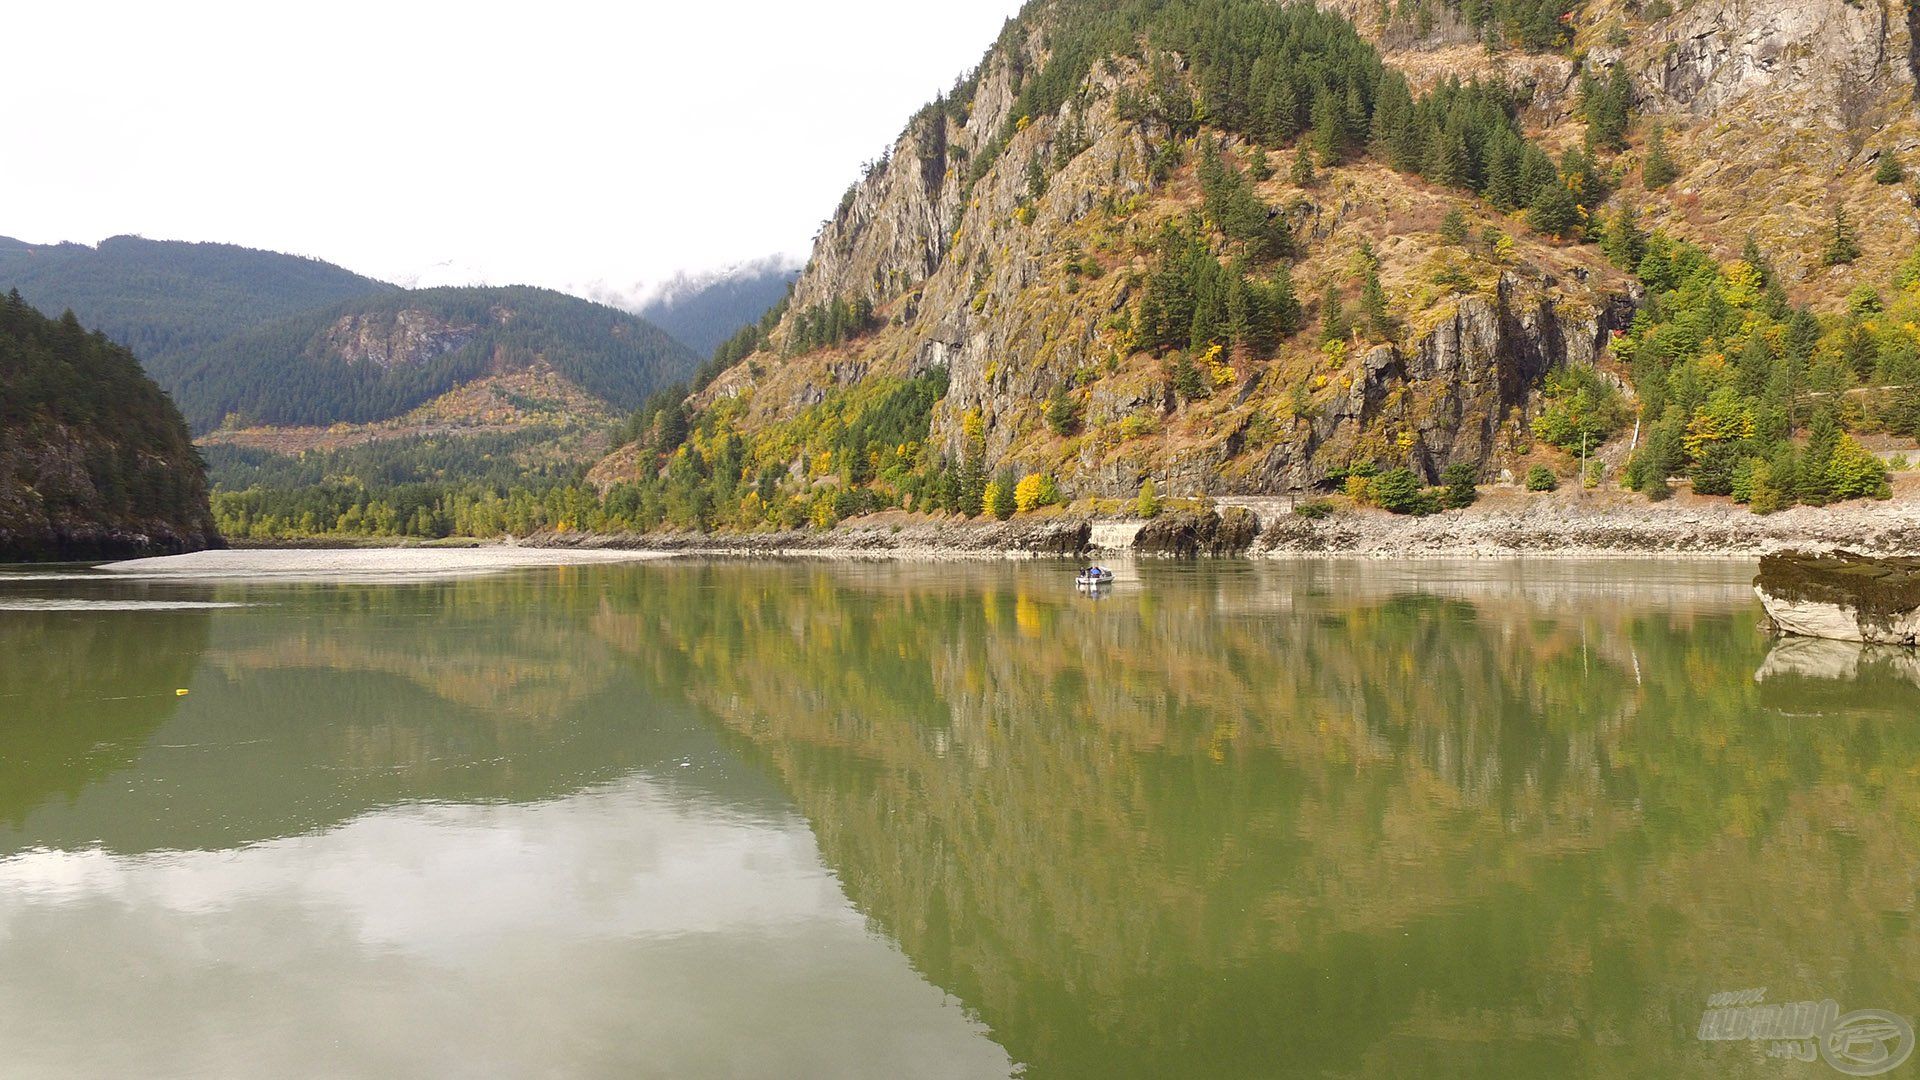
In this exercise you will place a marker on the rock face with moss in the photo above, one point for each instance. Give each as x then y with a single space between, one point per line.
1842 596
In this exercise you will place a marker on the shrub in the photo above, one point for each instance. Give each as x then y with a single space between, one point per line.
1856 473
1541 478
1459 491
1397 491
1315 510
1033 491
1148 503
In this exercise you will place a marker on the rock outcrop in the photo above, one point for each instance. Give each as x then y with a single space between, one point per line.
1842 596
1191 533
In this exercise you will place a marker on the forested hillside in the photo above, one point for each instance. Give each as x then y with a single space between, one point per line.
165 300
94 459
376 358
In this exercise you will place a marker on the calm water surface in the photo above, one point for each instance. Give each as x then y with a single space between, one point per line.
682 819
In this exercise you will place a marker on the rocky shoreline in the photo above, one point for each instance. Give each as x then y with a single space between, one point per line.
1601 524
1500 526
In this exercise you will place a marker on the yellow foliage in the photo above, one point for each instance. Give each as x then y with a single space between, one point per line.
1216 366
1034 490
1742 283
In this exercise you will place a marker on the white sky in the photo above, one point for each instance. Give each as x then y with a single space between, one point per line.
582 146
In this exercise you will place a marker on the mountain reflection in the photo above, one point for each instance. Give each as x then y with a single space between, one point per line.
1253 820
312 704
1243 819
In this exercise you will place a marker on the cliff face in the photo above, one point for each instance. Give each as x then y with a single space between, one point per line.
1018 293
95 462
397 338
1015 252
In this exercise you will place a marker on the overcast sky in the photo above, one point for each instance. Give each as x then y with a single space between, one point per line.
581 146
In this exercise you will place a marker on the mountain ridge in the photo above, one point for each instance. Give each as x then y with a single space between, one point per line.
1502 271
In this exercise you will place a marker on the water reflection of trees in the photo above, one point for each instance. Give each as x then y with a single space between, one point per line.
313 705
80 692
1344 830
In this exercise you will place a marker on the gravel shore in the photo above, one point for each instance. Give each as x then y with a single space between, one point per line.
1503 524
1600 524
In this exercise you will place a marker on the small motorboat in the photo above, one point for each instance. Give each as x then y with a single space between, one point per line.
1095 575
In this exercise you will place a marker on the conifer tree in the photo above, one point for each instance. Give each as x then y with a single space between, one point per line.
1842 246
1659 169
1303 175
1260 168
1890 170
1624 244
1373 303
1333 319
1554 211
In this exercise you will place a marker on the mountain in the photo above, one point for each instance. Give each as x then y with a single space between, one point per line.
166 299
381 357
94 459
704 310
1231 246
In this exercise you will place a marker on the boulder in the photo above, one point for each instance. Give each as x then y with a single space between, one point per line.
1842 596
1188 534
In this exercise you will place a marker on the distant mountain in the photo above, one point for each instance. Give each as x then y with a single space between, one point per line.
704 310
94 460
379 357
166 299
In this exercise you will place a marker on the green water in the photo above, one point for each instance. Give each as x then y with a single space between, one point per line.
1296 819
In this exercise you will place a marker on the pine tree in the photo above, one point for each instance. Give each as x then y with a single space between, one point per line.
1329 129
1453 227
1373 303
1890 170
1659 169
1303 175
1502 166
1624 244
1333 319
1842 246
1751 254
1554 211
1260 168
1148 503
1063 413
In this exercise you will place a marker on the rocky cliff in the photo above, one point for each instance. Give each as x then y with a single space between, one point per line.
95 462
1020 286
1010 240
